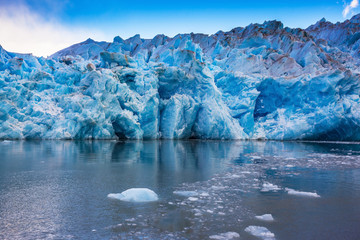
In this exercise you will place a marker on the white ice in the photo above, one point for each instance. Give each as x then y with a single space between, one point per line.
299 193
261 232
186 193
225 236
269 187
265 217
135 195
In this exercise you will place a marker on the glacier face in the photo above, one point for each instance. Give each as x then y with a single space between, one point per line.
264 81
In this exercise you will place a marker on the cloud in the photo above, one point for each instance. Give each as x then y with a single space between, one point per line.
24 31
348 7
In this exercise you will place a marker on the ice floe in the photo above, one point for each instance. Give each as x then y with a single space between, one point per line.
299 193
265 217
269 187
186 193
225 236
135 195
261 232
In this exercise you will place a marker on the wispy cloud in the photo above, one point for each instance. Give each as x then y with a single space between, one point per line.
348 7
24 31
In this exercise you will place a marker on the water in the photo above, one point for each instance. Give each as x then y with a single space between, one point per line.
58 189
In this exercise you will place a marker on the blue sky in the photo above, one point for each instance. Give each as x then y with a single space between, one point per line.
45 26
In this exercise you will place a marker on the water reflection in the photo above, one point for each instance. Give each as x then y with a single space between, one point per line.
58 189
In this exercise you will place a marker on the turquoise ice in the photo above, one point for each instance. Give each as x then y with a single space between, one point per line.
265 81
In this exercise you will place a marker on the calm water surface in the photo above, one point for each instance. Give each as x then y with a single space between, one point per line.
58 189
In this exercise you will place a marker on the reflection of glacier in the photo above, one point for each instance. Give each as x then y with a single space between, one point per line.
263 81
65 182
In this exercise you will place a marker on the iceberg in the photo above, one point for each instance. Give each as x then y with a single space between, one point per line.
264 81
135 195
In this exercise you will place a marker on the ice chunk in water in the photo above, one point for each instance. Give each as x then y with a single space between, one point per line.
261 232
193 199
186 193
225 236
135 195
269 187
299 193
265 217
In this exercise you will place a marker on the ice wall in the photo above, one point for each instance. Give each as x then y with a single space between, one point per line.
259 82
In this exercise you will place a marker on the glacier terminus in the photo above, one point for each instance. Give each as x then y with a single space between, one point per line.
264 81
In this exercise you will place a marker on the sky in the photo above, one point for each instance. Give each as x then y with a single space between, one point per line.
43 27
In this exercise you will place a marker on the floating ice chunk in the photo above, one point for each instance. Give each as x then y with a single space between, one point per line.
234 176
193 199
265 217
269 187
186 193
204 194
299 193
261 232
225 236
130 220
135 195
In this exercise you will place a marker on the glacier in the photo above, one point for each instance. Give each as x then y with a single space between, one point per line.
264 81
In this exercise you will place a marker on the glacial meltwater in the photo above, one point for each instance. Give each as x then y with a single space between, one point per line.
201 190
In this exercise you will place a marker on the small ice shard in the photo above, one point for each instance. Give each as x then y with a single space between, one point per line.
234 176
135 195
265 217
225 236
299 193
261 232
269 187
204 194
193 199
186 193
